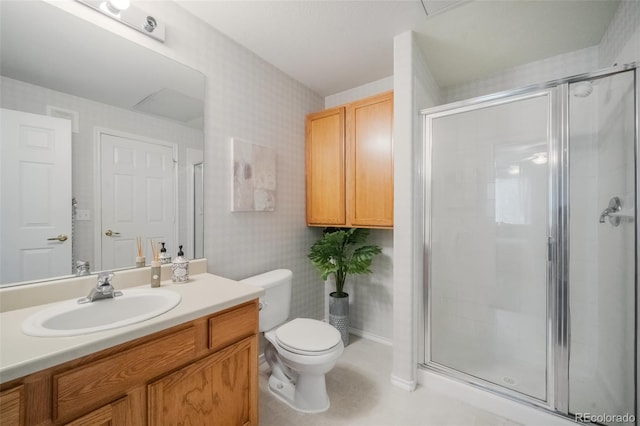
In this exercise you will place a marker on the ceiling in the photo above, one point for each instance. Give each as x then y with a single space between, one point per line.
335 45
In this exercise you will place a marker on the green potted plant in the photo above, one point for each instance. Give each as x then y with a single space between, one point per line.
340 252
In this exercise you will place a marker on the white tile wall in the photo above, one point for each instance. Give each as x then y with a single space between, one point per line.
601 282
249 99
621 43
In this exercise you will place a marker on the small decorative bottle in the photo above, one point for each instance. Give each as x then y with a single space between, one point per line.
164 257
180 268
155 273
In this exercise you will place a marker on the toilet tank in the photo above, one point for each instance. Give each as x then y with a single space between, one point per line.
276 302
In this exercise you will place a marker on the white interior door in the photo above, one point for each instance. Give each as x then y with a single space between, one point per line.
35 204
138 185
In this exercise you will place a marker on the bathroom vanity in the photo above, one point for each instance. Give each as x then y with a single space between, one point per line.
196 364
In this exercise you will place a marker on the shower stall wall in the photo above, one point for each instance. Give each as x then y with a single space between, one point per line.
531 244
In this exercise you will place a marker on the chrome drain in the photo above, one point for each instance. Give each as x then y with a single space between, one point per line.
509 380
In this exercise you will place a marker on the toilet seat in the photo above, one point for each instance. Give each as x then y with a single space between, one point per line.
306 336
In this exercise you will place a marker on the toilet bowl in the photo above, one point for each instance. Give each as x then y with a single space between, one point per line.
300 352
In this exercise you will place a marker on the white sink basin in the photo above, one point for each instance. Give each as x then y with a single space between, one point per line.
69 318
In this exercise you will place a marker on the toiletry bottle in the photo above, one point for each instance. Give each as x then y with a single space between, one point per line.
155 269
180 268
155 273
164 257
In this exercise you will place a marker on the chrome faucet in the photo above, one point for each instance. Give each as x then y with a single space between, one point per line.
615 205
102 290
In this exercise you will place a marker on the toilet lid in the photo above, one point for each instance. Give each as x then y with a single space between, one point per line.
307 336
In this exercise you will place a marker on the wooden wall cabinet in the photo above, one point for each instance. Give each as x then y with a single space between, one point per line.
349 164
201 372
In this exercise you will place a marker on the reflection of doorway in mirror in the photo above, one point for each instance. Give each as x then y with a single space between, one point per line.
35 185
194 234
198 204
138 197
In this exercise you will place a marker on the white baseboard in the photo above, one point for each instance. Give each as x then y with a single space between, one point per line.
408 385
370 336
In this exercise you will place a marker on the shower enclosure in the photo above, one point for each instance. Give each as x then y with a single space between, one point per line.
531 239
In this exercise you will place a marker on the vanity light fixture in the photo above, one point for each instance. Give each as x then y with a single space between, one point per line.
115 6
123 11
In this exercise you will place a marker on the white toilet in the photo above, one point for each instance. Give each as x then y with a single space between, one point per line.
300 352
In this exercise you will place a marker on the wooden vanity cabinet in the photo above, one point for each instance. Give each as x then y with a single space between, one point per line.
201 372
12 406
215 389
112 414
349 164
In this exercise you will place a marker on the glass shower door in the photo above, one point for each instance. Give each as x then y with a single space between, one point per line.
602 248
488 236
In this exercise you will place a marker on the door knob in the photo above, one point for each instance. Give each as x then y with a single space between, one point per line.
61 238
110 233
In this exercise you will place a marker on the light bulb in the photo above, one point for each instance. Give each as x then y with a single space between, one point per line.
115 6
120 5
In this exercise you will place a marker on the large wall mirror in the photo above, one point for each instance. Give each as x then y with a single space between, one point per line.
101 148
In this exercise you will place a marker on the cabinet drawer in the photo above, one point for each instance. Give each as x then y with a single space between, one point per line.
78 390
233 325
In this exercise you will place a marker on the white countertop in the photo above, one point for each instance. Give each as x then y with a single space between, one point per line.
203 295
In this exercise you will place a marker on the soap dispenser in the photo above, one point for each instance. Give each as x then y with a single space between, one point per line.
164 257
180 268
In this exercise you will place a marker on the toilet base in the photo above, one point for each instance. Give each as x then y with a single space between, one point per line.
307 399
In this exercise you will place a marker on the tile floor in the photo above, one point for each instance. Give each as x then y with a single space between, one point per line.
361 394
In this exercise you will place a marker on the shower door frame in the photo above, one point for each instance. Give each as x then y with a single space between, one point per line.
558 330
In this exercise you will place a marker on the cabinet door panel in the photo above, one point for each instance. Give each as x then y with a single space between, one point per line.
220 389
325 151
114 414
370 163
12 406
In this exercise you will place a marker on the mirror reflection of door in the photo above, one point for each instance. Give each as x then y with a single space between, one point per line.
198 208
138 198
35 201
